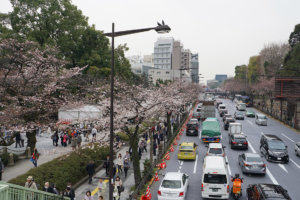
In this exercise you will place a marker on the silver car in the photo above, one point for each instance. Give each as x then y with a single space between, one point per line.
261 119
252 163
297 148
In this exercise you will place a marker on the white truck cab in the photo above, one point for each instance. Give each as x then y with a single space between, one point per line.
235 128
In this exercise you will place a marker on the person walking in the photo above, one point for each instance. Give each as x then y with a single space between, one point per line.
22 137
119 163
18 139
69 192
94 133
106 165
88 196
115 192
90 168
79 140
73 142
65 139
1 169
154 147
126 165
119 185
55 138
30 183
35 156
48 189
144 144
101 187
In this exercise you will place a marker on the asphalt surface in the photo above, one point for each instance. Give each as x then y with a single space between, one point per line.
286 175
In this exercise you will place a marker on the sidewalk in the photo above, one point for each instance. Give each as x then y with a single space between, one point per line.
47 152
127 183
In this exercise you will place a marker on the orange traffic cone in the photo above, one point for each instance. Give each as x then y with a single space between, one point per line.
163 164
172 148
156 177
148 193
178 137
180 133
167 157
182 130
175 142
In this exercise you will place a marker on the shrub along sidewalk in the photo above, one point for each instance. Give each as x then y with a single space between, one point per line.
68 168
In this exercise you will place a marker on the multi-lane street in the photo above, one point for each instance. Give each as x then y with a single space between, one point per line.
286 175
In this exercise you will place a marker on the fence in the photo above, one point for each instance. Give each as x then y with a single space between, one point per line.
14 192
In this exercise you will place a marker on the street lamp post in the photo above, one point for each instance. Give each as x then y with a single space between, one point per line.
161 28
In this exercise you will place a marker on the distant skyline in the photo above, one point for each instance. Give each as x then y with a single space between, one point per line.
224 33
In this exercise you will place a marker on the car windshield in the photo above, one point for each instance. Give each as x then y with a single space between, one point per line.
262 117
250 111
239 113
174 184
186 148
239 140
215 178
215 150
276 145
254 159
192 125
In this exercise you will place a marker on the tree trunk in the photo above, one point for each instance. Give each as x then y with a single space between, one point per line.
31 136
133 141
169 124
151 146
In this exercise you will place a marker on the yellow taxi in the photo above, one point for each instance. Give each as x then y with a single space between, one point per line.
187 151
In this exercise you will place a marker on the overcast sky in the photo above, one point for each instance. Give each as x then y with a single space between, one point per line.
225 33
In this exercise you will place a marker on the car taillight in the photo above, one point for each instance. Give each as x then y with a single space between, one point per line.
159 192
227 188
233 142
264 165
207 153
181 194
202 187
245 142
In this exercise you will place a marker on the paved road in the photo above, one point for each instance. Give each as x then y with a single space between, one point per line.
287 175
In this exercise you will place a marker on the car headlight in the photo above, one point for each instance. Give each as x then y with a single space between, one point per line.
270 152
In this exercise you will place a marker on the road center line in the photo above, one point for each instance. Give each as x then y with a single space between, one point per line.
249 122
287 137
295 163
251 147
200 134
272 177
195 166
283 167
228 166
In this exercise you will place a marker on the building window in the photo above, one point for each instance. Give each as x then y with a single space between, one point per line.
158 72
167 72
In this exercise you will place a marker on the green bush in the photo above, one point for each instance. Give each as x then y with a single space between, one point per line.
68 168
5 158
123 136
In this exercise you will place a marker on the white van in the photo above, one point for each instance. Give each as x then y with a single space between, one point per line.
222 106
215 178
241 107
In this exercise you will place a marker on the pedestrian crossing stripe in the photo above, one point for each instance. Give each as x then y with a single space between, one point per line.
96 189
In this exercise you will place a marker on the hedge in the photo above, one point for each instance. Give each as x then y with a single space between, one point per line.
68 168
123 136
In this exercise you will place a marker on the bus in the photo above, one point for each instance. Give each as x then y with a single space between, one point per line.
246 100
237 98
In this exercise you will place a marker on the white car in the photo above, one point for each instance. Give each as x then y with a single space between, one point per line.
173 186
215 149
297 148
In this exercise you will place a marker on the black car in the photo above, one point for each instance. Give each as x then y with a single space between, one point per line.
227 121
238 141
267 192
239 115
192 128
273 148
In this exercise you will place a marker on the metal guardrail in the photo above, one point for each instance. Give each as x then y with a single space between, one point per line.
15 192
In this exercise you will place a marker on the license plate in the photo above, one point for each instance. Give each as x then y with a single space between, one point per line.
240 144
186 154
278 158
215 190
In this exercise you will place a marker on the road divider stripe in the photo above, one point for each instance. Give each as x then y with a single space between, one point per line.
249 122
200 134
272 177
228 166
283 167
251 147
287 137
195 166
295 163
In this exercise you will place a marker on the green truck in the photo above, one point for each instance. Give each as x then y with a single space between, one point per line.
211 130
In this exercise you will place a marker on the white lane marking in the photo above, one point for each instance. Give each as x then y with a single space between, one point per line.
195 167
272 177
200 134
251 147
262 133
180 167
181 162
249 122
283 167
179 171
295 163
228 166
287 137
